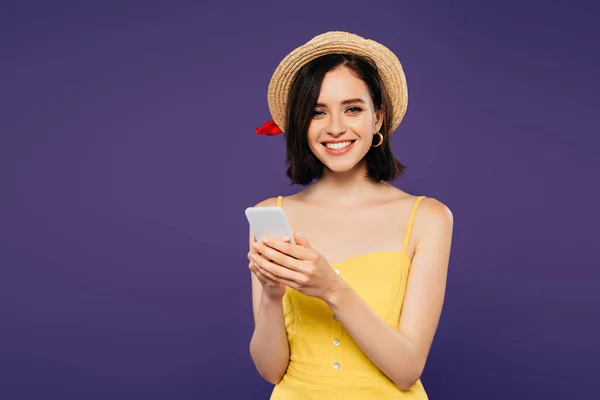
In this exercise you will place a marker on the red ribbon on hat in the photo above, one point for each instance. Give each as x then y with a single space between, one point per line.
269 128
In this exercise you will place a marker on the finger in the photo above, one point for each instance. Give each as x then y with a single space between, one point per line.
263 279
277 271
250 253
293 251
282 238
301 240
263 276
253 248
254 269
271 279
275 250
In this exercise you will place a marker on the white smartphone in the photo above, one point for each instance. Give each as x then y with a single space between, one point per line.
269 222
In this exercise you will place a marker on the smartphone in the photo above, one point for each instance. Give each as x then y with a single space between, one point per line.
269 222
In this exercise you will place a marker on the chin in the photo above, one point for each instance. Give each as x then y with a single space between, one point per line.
340 163
340 167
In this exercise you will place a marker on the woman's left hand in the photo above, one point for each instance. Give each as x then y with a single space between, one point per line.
298 266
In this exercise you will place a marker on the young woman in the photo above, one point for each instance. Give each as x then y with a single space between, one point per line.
350 310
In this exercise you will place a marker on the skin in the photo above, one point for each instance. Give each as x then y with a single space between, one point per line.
363 217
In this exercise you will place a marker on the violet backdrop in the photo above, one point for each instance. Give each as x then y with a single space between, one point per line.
128 155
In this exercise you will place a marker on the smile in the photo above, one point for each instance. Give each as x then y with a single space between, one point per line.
338 147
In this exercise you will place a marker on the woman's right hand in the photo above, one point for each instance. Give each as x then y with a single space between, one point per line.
273 290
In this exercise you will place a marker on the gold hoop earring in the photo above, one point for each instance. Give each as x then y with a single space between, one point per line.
380 139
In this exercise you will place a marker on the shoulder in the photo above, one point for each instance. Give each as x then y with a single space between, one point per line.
433 216
270 202
433 208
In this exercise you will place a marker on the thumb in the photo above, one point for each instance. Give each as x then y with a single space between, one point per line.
301 240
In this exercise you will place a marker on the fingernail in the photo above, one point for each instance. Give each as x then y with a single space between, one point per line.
255 245
285 239
264 240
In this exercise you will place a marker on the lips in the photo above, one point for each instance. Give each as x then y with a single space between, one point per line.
338 145
338 148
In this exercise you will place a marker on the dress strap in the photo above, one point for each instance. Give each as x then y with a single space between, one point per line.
279 201
410 223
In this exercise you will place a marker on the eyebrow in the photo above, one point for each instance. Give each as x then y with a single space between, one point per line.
349 101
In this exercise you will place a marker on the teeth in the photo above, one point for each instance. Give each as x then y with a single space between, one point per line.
338 146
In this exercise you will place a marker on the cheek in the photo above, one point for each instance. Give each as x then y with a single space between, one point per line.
362 126
313 130
316 149
313 136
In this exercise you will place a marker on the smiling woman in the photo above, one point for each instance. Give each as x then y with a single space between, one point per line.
350 309
338 102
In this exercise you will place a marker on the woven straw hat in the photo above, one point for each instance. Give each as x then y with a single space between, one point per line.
387 63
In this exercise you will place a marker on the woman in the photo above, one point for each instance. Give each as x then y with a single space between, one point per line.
351 309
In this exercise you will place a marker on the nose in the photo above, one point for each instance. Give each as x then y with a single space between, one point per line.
336 127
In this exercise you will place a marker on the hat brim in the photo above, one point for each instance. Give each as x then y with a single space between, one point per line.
336 42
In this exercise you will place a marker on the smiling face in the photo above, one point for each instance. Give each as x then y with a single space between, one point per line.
336 104
344 121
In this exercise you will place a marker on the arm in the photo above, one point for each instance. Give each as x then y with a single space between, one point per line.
401 354
269 346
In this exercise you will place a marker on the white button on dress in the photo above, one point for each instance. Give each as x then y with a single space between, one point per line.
336 342
336 366
337 271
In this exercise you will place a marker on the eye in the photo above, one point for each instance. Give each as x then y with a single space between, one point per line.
354 110
317 113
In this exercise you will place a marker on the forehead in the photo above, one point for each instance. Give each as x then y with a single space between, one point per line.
341 84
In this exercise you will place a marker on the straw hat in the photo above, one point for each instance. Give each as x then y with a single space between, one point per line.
387 63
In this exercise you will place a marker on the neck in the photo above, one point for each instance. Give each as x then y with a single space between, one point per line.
343 188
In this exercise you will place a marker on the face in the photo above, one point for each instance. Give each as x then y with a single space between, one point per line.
344 121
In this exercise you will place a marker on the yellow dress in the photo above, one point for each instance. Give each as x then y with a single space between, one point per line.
325 362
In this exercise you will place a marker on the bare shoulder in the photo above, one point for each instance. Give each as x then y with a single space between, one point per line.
270 202
435 211
430 212
433 218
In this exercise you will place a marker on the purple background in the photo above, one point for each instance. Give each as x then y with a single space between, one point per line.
128 154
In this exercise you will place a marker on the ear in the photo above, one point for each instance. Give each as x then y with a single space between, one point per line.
378 120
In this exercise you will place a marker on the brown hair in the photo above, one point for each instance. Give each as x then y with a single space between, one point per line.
303 165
